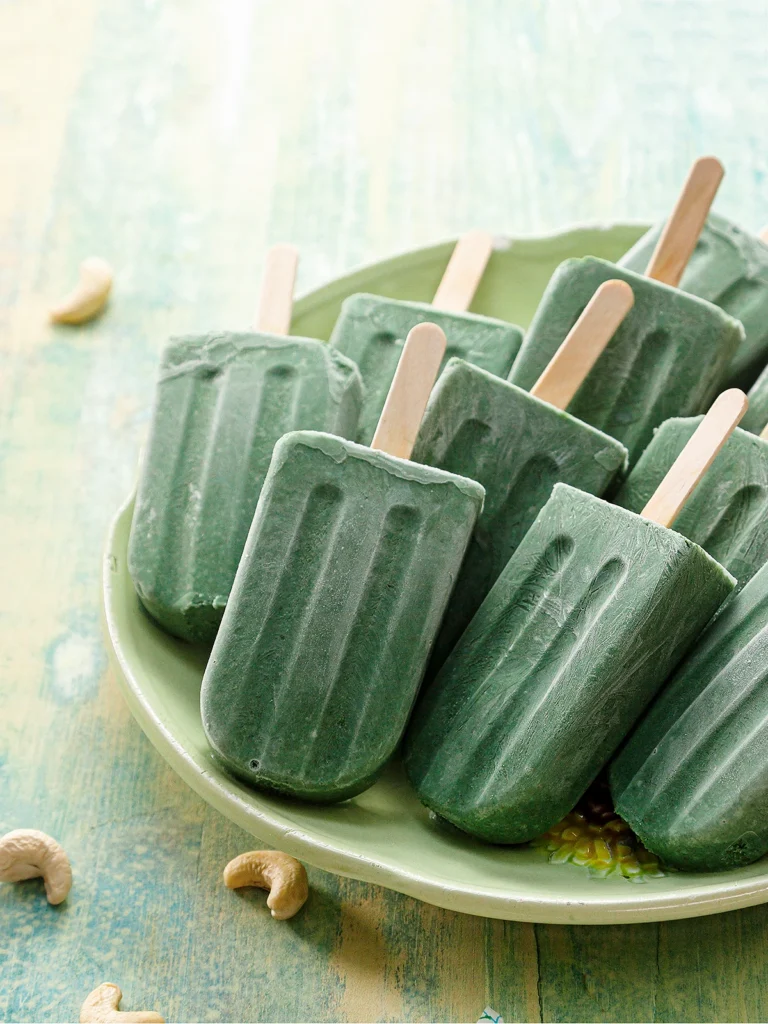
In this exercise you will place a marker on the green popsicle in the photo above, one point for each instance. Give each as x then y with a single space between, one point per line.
338 597
730 268
669 355
370 329
587 620
756 419
727 514
222 401
518 446
692 778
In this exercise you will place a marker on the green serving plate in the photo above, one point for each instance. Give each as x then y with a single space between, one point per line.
385 836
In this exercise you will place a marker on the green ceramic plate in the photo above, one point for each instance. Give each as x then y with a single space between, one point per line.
385 836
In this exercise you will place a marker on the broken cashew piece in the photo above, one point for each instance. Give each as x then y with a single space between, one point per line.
89 296
102 1005
27 853
283 876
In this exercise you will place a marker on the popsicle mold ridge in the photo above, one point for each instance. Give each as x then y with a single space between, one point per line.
729 267
340 591
727 514
666 359
518 447
371 330
692 777
222 401
591 614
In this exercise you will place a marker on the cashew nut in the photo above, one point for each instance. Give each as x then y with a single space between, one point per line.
27 853
283 876
102 1006
89 296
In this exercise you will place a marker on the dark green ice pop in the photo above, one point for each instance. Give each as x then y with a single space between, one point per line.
371 329
666 359
340 591
222 401
727 514
729 267
518 446
692 779
591 614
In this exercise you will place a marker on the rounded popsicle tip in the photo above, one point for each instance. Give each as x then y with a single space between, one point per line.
722 418
409 392
616 293
709 167
428 335
284 251
732 404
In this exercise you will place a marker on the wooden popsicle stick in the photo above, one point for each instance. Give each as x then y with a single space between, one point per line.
763 235
465 269
764 432
696 458
409 391
682 230
276 299
584 343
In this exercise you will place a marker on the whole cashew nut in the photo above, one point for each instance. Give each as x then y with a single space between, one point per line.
27 853
283 876
89 296
102 1006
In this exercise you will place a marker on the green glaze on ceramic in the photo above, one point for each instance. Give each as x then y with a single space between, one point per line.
692 779
756 417
372 331
730 268
585 623
667 357
384 835
339 595
222 401
518 447
727 514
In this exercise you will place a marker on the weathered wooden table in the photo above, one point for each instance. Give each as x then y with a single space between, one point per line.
179 139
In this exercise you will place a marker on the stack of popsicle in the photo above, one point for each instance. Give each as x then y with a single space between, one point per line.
333 523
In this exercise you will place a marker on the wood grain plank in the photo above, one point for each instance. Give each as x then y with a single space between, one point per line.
605 973
178 141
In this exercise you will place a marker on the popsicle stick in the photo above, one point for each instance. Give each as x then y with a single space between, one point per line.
696 458
464 271
764 432
682 230
276 299
409 392
763 235
584 343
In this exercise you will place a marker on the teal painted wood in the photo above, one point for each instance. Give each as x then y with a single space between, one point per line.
178 141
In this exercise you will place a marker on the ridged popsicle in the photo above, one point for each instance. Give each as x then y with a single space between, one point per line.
692 779
222 401
756 418
518 447
666 359
591 614
372 329
727 514
340 591
729 267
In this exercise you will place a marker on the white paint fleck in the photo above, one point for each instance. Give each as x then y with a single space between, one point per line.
75 666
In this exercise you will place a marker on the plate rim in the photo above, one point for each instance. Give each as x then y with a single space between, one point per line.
640 906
